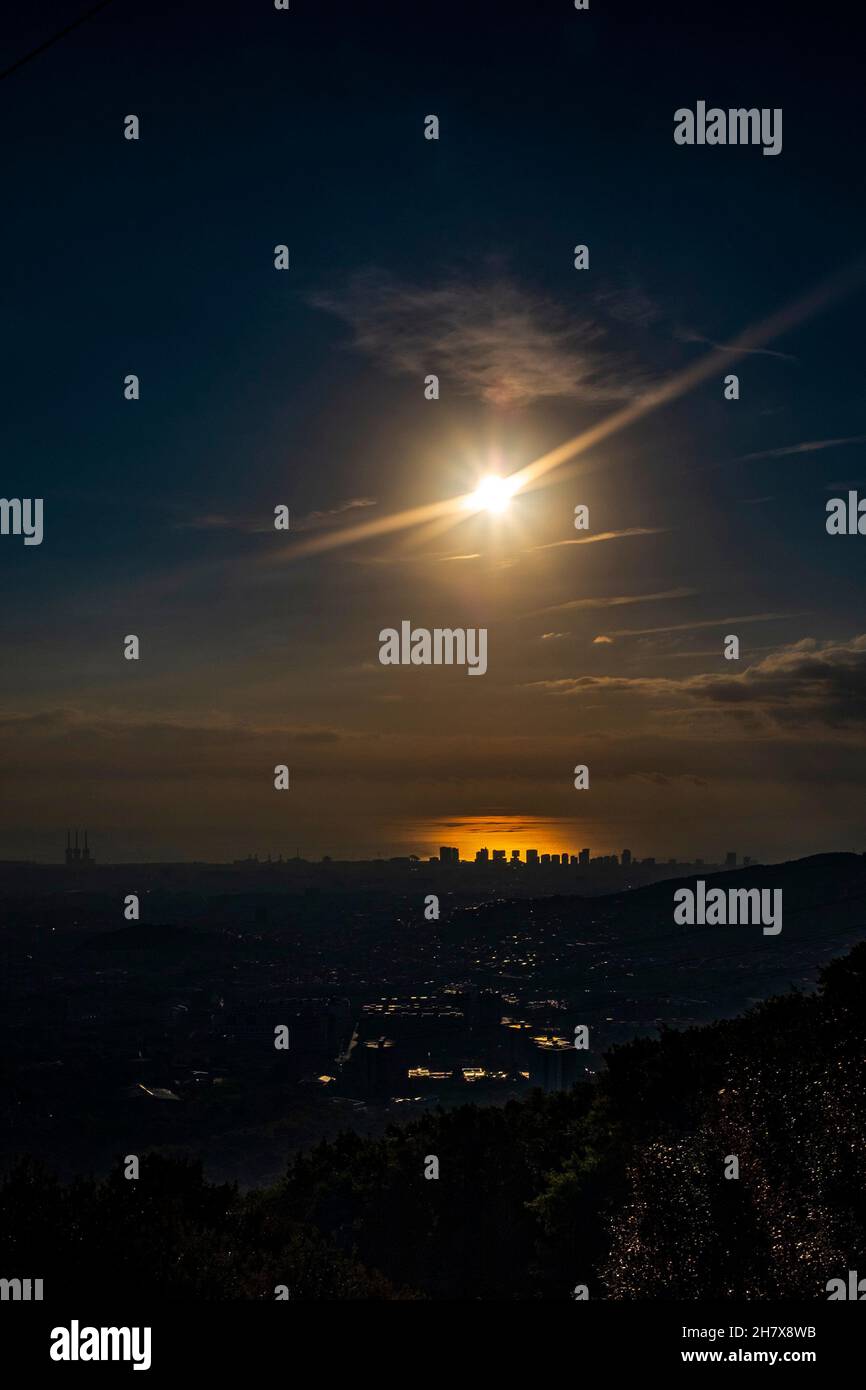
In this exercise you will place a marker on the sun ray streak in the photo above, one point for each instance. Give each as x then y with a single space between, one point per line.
532 474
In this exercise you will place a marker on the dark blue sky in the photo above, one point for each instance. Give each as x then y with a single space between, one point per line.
304 387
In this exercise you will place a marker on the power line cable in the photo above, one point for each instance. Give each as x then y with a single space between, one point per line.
34 53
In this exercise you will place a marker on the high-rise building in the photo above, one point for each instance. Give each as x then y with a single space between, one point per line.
626 858
545 858
554 859
584 856
731 859
448 854
482 856
499 856
532 856
515 856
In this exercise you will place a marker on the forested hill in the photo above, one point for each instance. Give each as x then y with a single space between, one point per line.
619 1184
821 893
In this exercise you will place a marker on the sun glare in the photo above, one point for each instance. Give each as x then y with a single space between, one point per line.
492 494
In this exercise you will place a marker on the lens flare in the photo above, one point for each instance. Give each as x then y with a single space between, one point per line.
492 494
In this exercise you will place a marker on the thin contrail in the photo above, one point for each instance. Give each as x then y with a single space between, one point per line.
769 328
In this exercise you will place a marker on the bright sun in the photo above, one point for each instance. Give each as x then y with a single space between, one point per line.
492 494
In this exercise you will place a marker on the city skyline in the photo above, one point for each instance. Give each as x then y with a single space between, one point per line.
76 854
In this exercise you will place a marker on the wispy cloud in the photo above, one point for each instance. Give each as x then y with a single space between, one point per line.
711 654
617 601
217 521
493 340
312 520
730 623
686 335
630 305
605 536
427 558
257 525
808 682
811 446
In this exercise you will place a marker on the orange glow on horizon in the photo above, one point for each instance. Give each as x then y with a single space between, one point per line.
468 834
